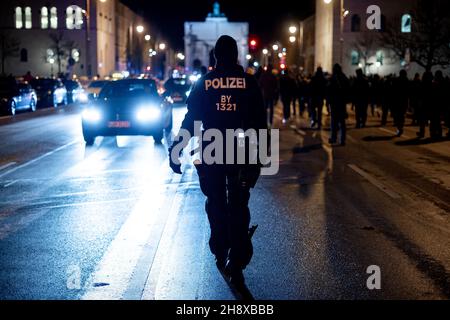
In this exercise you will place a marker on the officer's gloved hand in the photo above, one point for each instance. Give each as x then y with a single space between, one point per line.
175 167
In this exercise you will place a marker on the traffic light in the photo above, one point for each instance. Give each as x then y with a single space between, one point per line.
253 43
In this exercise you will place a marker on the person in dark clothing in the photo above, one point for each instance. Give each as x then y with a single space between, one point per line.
447 107
360 98
416 87
338 96
437 105
318 93
386 99
287 93
301 94
226 98
423 113
269 86
375 94
400 101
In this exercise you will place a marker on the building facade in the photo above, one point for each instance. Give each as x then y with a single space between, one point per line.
342 36
200 38
91 36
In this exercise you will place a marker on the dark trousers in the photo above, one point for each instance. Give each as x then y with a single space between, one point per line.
384 113
361 114
435 125
399 114
316 114
228 192
269 107
286 107
338 115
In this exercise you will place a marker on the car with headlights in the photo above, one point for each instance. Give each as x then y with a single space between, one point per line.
75 92
50 92
178 89
16 96
127 108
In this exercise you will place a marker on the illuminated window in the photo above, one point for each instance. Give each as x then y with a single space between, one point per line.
18 17
406 23
74 17
28 23
355 58
53 18
356 23
75 54
44 18
380 57
50 54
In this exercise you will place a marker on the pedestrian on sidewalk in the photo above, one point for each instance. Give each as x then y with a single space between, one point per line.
423 114
401 87
287 93
318 93
339 88
360 96
270 88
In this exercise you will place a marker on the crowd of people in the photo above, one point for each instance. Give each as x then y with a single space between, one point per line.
424 99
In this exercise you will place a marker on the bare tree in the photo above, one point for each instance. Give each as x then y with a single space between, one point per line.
9 47
366 44
429 42
61 48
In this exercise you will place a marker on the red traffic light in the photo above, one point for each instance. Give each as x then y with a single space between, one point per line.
253 43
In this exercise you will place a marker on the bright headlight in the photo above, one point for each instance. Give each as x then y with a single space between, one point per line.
91 115
83 97
148 114
188 93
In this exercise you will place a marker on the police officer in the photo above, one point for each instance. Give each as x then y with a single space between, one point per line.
226 98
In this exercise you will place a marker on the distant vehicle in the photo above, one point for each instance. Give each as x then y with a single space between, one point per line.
50 92
127 107
75 92
178 89
16 96
95 87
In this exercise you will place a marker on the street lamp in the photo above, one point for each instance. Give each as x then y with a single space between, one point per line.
162 46
248 57
147 37
265 52
275 47
180 56
140 28
292 39
292 29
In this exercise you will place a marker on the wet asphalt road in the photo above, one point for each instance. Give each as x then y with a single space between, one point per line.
112 222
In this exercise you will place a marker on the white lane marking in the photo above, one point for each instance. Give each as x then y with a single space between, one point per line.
122 256
394 133
10 228
153 286
10 184
5 166
26 164
375 182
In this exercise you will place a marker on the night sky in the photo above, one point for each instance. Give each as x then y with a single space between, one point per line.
268 20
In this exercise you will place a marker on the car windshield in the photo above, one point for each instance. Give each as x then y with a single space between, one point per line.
97 84
71 84
42 83
129 89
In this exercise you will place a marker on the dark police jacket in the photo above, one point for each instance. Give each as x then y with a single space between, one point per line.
226 98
